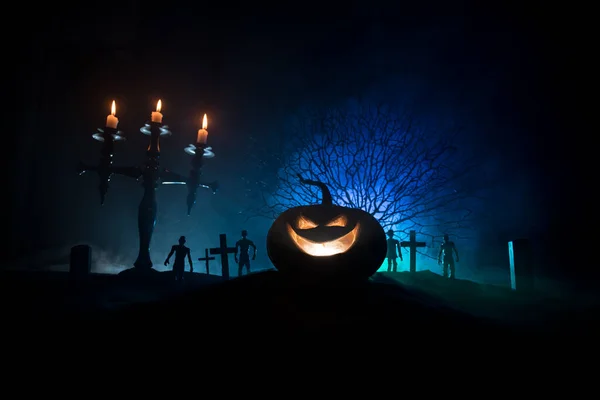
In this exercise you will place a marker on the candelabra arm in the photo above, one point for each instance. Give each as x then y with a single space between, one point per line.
168 177
214 186
107 136
193 184
131 172
82 168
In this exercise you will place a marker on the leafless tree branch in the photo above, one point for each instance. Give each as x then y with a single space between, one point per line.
372 158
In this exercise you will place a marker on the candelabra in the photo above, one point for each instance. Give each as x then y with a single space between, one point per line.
151 174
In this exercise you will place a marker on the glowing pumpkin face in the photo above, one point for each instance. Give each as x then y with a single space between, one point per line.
326 240
323 240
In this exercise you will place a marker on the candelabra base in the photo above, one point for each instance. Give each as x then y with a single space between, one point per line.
140 274
142 265
146 221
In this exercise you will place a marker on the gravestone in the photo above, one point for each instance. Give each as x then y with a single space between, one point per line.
412 244
521 265
224 251
80 263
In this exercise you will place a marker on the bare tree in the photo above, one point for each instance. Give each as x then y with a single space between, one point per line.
407 175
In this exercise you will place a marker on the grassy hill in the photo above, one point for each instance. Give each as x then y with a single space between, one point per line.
547 309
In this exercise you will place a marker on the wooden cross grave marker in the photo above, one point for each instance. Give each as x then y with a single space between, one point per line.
206 259
412 244
224 251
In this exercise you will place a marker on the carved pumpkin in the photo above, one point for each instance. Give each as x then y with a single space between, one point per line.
326 240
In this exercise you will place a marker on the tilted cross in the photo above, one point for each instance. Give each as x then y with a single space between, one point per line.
206 258
224 251
412 244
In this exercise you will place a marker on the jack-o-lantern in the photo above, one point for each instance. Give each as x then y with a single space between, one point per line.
326 240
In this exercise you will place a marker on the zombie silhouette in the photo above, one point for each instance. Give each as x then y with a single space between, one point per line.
393 251
242 256
446 250
181 252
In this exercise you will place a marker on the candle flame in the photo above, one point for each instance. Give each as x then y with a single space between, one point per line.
204 122
159 105
113 108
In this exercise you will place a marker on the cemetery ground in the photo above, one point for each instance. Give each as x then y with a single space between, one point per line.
402 305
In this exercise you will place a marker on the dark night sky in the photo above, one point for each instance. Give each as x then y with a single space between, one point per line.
516 73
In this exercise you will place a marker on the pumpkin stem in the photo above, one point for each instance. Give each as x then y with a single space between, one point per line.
326 194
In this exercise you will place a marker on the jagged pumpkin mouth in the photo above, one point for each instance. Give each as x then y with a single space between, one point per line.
324 249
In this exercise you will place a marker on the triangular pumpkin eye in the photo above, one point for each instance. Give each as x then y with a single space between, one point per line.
338 221
305 223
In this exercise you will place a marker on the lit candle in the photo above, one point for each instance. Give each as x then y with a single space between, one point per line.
111 120
156 115
203 133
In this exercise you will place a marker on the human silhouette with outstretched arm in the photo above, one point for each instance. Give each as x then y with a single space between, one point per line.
242 247
447 250
181 252
393 251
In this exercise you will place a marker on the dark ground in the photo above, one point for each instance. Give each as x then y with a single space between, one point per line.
268 309
396 330
262 325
